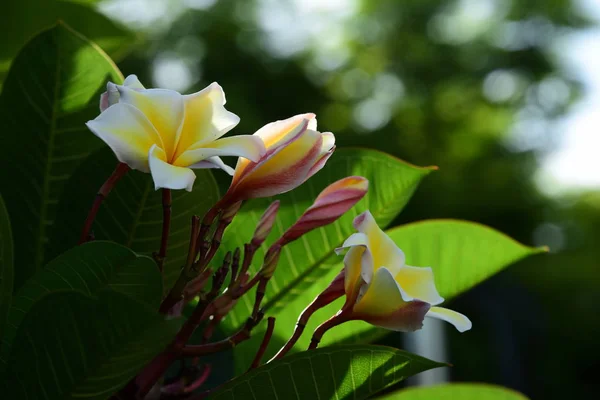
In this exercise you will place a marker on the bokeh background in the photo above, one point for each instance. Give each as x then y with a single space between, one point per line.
504 96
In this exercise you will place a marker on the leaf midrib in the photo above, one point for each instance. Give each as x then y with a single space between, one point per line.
39 257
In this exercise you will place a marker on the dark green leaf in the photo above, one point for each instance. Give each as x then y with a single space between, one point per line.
340 372
71 346
51 90
132 214
391 184
26 18
6 265
88 269
456 391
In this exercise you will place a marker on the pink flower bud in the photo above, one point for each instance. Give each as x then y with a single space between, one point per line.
331 204
265 224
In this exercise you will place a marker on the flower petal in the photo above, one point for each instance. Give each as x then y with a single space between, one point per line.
163 108
166 175
384 250
279 132
213 162
417 283
127 132
460 322
382 305
206 118
133 82
356 239
247 146
352 266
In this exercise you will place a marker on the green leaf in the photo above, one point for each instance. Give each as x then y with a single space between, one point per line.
71 346
51 90
456 391
88 269
132 213
18 19
340 372
6 266
391 184
461 253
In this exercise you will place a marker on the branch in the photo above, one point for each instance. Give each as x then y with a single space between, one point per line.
102 194
264 344
162 253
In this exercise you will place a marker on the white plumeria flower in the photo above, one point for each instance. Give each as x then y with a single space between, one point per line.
383 290
166 133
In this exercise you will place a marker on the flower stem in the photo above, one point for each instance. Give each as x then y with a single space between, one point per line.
318 303
164 241
264 344
102 194
336 320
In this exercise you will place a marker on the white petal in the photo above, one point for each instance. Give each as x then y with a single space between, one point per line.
166 175
328 142
356 239
384 250
247 146
133 82
213 162
460 322
382 296
163 108
417 283
206 118
127 132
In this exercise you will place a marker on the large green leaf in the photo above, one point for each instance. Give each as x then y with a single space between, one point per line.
456 391
51 90
340 372
88 269
6 265
132 214
26 18
71 346
391 184
461 253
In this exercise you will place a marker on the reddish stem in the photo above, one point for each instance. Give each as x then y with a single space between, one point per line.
264 344
102 194
336 320
319 302
162 253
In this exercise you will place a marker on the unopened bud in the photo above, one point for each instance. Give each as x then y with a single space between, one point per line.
270 262
331 204
265 224
230 212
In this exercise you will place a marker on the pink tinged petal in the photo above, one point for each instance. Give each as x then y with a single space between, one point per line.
127 132
206 118
278 136
384 250
382 305
212 162
417 283
283 171
460 322
246 146
331 204
163 108
168 176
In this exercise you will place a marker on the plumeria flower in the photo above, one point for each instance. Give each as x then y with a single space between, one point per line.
382 290
295 152
165 133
